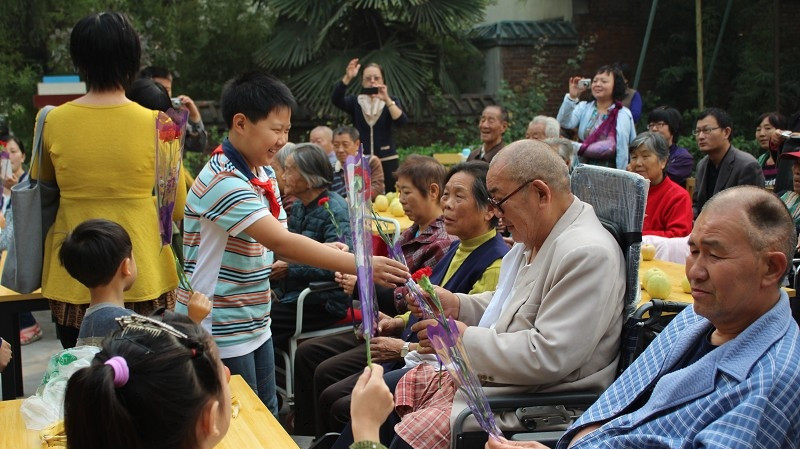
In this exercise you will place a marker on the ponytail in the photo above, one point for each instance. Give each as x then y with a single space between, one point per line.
171 376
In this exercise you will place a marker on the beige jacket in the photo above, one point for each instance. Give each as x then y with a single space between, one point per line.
561 327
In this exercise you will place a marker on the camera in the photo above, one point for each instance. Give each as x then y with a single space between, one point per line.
176 103
585 83
369 90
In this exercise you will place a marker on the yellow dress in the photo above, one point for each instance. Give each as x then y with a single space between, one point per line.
103 159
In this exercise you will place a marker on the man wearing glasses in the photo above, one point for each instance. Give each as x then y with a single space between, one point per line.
723 166
555 319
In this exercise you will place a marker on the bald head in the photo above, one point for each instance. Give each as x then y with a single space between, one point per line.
524 160
768 224
322 136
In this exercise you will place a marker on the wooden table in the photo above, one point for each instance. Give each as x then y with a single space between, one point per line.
11 305
255 427
676 272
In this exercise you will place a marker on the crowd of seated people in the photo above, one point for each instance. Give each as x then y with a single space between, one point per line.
539 311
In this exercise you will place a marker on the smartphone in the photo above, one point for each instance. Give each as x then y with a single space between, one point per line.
369 90
176 103
585 83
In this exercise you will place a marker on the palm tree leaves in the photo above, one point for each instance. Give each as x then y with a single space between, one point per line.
414 41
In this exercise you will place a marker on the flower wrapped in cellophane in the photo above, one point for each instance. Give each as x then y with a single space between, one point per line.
359 201
170 133
446 340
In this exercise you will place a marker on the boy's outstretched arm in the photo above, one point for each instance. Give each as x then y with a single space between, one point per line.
269 232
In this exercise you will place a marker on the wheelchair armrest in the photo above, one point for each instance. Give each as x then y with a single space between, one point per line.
514 401
533 409
319 286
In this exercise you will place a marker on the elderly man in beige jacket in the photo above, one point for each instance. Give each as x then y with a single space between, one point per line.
555 320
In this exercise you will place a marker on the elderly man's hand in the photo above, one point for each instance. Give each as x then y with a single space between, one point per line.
421 328
450 302
385 349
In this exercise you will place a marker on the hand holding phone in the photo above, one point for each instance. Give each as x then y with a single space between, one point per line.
369 90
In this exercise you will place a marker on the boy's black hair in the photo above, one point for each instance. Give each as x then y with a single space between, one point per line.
93 251
149 94
106 50
254 94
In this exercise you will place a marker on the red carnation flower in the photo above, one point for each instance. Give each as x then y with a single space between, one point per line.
323 200
426 271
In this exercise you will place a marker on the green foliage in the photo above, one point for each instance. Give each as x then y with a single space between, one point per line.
528 99
417 42
743 77
204 42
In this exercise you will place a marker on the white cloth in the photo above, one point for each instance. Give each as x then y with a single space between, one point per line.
674 249
509 270
371 108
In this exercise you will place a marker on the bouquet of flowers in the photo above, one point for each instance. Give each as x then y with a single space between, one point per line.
170 133
359 202
446 340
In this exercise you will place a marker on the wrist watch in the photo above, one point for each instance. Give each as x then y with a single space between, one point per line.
391 104
404 350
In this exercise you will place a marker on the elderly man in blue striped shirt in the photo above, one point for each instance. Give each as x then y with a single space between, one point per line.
726 372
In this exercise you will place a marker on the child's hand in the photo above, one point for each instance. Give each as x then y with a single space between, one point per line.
346 281
5 354
370 404
199 307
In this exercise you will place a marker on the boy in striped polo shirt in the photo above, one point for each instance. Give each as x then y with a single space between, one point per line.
234 221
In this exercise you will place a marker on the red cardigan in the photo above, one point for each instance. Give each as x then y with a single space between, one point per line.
669 210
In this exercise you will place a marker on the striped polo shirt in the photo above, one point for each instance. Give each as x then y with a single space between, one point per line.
223 262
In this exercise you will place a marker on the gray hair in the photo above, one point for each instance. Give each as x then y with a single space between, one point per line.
283 153
531 159
562 146
313 165
551 127
654 142
769 226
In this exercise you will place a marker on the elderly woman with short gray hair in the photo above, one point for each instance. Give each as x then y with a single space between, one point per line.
320 215
669 208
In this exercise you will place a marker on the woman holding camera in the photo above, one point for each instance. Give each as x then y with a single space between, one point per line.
605 126
373 113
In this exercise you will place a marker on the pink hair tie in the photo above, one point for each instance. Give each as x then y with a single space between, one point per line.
121 372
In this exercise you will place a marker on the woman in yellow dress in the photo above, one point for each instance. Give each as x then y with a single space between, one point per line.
100 149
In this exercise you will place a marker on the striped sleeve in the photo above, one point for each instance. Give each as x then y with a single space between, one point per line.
228 201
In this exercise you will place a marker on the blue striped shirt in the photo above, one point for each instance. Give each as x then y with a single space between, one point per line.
745 393
223 262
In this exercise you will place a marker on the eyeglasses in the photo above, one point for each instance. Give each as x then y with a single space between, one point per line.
699 131
499 204
655 125
372 78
